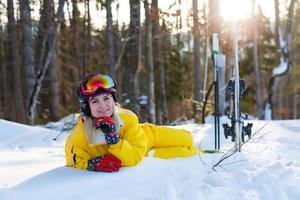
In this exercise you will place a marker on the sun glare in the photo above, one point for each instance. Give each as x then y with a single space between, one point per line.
235 9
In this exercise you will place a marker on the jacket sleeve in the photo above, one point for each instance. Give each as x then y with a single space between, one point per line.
132 145
80 158
76 155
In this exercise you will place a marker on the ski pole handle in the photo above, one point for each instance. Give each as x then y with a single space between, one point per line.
215 43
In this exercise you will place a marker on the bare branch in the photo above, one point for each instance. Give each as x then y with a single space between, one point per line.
233 150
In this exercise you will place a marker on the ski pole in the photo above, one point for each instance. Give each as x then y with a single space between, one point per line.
215 48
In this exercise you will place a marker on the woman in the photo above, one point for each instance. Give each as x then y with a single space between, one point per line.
107 137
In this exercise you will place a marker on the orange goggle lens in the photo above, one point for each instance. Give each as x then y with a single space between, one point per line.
94 82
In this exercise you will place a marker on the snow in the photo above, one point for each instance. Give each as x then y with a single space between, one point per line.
32 166
268 112
280 69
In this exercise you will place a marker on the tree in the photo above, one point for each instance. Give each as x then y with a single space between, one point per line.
132 58
295 76
74 28
197 68
110 39
285 51
43 67
54 101
214 17
149 58
27 46
14 58
161 103
3 75
87 36
256 63
266 59
215 22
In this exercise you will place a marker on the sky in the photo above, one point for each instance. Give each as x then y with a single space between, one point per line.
32 167
229 9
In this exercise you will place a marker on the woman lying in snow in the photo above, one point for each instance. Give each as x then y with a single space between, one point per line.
107 137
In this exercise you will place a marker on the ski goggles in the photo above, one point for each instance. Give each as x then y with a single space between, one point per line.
93 82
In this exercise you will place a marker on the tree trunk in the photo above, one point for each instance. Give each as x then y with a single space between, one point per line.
277 22
133 54
178 29
87 36
289 27
256 64
206 42
6 94
27 46
40 41
150 70
17 87
215 22
295 104
3 86
54 101
197 68
162 84
74 27
154 12
41 74
110 39
285 49
158 60
214 17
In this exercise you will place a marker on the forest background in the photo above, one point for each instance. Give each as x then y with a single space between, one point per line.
160 58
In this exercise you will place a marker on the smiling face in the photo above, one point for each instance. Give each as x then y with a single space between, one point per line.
102 105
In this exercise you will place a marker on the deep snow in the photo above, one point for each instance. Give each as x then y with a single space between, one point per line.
268 167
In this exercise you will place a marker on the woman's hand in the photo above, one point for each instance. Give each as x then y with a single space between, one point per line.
105 163
108 127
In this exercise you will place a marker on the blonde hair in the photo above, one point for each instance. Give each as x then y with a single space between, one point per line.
89 129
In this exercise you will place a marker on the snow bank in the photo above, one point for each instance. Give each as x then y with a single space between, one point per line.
268 167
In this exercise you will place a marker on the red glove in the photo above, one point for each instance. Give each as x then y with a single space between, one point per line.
108 127
106 163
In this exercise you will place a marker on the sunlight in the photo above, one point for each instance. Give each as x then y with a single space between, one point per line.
269 10
235 9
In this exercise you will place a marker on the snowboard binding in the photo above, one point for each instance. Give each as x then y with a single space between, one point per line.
229 128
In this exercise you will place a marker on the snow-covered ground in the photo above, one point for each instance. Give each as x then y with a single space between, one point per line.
32 166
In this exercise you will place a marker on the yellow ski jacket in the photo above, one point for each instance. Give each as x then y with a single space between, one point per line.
136 140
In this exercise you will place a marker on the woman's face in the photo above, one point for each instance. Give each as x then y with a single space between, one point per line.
102 105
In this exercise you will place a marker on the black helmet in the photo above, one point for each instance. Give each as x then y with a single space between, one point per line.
93 85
